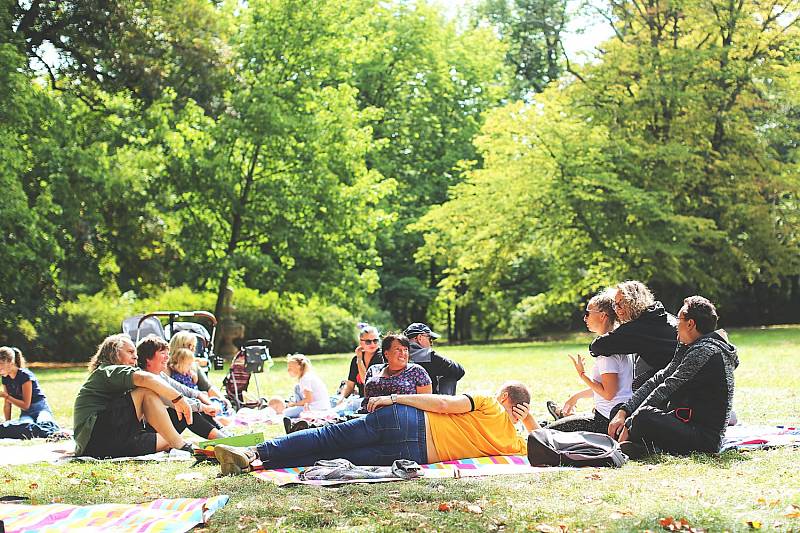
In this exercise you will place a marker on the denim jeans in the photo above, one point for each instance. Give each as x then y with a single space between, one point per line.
34 422
37 413
390 433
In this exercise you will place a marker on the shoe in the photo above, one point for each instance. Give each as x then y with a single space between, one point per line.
287 424
300 425
234 460
554 410
634 450
187 447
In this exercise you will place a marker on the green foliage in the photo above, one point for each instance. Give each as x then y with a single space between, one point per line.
293 323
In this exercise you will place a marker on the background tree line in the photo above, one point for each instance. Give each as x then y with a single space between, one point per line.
339 161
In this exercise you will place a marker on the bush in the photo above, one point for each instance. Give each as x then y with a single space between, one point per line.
293 323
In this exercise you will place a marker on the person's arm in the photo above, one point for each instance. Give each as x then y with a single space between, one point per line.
422 381
434 403
609 381
348 389
523 414
425 389
361 364
27 393
572 401
189 392
7 409
154 383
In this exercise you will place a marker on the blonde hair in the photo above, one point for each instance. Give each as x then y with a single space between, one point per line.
179 358
301 360
108 351
9 354
183 339
637 297
604 302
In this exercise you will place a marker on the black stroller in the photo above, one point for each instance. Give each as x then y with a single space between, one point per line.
139 326
252 358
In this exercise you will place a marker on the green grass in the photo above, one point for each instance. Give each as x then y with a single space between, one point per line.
715 493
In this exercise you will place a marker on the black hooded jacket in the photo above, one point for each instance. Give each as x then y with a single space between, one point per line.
698 380
653 337
437 366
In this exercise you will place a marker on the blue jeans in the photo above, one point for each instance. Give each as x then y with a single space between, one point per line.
37 413
34 422
390 433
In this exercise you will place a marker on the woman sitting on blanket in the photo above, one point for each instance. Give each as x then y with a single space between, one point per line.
117 398
397 375
368 353
21 389
612 375
153 354
426 428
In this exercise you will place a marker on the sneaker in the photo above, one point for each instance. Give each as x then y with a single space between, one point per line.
234 460
287 424
554 410
633 450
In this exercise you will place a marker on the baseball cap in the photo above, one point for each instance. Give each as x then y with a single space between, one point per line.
418 328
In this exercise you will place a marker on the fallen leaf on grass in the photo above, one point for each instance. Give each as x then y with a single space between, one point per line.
444 507
594 476
474 509
547 528
670 524
753 524
34 486
771 503
616 515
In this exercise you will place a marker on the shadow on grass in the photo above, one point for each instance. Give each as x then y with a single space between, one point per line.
722 460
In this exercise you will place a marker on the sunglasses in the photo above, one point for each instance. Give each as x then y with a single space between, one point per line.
369 341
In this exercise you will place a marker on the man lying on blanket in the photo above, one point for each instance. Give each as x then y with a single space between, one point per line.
426 428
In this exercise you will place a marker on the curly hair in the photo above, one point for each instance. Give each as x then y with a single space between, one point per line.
637 297
108 351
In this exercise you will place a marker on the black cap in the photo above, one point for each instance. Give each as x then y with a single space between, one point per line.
418 328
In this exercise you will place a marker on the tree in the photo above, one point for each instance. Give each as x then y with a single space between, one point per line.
533 30
275 192
431 85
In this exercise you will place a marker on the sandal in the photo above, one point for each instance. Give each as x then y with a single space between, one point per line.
554 410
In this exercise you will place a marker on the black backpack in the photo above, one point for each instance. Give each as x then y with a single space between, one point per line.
574 448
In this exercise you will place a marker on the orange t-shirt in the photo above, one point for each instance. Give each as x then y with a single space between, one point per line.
485 431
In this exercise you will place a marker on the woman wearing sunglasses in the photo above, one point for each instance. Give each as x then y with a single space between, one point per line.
610 380
367 354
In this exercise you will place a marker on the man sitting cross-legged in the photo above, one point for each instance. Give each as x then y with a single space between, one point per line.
426 428
685 407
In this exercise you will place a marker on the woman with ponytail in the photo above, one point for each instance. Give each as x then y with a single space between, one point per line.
21 389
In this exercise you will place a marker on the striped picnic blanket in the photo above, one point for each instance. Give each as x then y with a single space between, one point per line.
162 516
479 466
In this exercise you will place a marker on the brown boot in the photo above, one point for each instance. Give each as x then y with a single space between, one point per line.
234 460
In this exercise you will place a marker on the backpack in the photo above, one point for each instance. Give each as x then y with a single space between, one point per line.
574 448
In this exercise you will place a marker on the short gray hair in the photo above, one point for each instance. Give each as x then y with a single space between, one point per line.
637 297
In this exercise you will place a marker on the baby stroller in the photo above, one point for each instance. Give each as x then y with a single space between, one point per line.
139 326
252 357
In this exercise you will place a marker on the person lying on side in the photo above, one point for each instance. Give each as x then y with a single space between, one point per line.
426 428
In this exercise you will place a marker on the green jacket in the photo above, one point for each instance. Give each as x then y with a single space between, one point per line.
103 385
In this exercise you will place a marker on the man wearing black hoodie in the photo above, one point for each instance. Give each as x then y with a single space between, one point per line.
646 330
685 407
444 372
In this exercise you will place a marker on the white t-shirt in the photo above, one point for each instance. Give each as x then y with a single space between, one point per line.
622 365
321 401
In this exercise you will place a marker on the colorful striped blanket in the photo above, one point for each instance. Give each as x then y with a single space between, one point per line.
479 466
162 516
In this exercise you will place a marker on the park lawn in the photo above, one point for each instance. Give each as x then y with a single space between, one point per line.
715 493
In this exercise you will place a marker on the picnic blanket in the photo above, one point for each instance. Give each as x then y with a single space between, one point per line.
746 437
171 516
17 453
479 466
